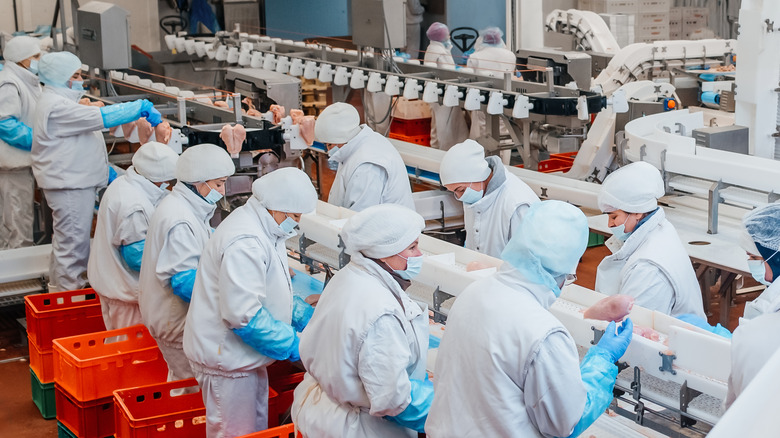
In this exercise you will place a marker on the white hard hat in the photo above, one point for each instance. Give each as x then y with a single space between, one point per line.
20 48
464 163
56 68
337 124
634 188
204 162
286 189
155 162
382 230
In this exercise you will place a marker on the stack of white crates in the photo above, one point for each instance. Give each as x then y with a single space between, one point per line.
650 17
689 24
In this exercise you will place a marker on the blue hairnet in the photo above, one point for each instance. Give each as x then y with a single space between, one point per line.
55 69
763 225
438 32
552 237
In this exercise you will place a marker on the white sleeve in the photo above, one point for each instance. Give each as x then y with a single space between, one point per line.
382 362
132 228
648 284
365 187
66 120
180 252
10 102
242 282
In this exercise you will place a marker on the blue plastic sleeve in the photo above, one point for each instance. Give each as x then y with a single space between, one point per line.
182 284
121 113
16 133
598 375
414 416
270 337
132 254
301 314
700 322
112 175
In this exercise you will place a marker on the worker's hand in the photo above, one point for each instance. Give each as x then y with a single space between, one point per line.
616 343
294 354
154 117
313 299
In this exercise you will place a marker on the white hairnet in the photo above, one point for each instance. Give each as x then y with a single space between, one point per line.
382 230
763 226
337 124
56 68
204 162
287 189
21 48
155 162
438 32
464 163
549 243
634 188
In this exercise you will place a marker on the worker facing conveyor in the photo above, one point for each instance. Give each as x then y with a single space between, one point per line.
494 200
448 124
762 244
19 94
648 261
366 346
70 161
120 233
243 314
370 170
178 232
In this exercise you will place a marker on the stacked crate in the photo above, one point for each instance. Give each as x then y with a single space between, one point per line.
314 96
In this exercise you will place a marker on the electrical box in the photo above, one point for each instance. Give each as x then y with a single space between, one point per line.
380 24
725 138
104 36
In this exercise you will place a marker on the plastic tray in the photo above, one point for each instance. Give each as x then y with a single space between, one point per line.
286 431
43 396
151 411
62 314
92 419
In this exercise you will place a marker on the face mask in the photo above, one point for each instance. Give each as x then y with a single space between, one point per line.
213 196
77 85
470 196
758 271
164 185
333 164
33 68
413 267
288 225
448 45
620 232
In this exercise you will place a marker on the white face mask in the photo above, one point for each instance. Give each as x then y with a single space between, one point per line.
164 185
758 271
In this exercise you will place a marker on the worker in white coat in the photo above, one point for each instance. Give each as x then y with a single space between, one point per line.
177 234
70 161
120 233
19 93
371 379
370 170
507 366
648 261
761 241
448 123
243 315
494 200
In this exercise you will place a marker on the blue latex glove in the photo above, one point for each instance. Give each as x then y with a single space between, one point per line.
295 355
598 375
301 313
304 285
153 117
16 133
698 321
414 416
270 337
121 113
182 284
616 344
112 175
132 254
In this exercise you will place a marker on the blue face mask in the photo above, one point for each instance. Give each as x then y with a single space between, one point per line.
33 68
448 45
758 271
620 232
77 85
213 197
413 267
470 196
333 164
288 225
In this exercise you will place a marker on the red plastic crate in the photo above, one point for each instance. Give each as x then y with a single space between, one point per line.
93 365
283 381
286 431
41 362
92 419
62 314
410 127
422 140
151 411
555 165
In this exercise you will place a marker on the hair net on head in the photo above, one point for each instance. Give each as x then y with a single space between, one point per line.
438 32
763 225
204 162
747 243
337 124
155 162
287 189
56 68
464 163
381 230
549 243
21 48
634 188
492 36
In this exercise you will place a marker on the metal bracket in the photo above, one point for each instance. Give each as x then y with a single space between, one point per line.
667 360
441 220
770 25
686 396
439 297
303 244
343 256
773 197
642 152
636 394
714 200
597 334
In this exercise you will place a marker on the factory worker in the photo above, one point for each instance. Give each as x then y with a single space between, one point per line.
414 17
761 241
19 93
494 200
507 366
370 170
648 261
448 124
177 234
70 162
371 382
243 315
120 233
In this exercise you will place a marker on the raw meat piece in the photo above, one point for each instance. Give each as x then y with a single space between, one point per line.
227 136
127 129
297 116
145 130
278 111
87 102
254 113
239 135
163 132
613 308
307 129
647 332
221 104
248 102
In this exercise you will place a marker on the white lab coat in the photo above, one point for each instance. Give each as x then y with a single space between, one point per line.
414 16
370 172
653 267
19 93
767 302
493 62
366 339
491 221
123 218
448 124
506 366
753 343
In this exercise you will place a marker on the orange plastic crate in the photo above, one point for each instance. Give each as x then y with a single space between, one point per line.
410 128
286 431
151 411
283 382
41 362
92 419
555 165
92 366
62 314
422 140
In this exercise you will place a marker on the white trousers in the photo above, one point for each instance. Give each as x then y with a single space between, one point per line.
119 314
16 208
72 212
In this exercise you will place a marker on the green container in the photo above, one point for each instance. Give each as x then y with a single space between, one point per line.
43 396
595 239
63 432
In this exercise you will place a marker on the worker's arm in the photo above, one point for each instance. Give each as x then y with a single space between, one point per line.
130 237
648 284
69 119
179 258
12 130
365 187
